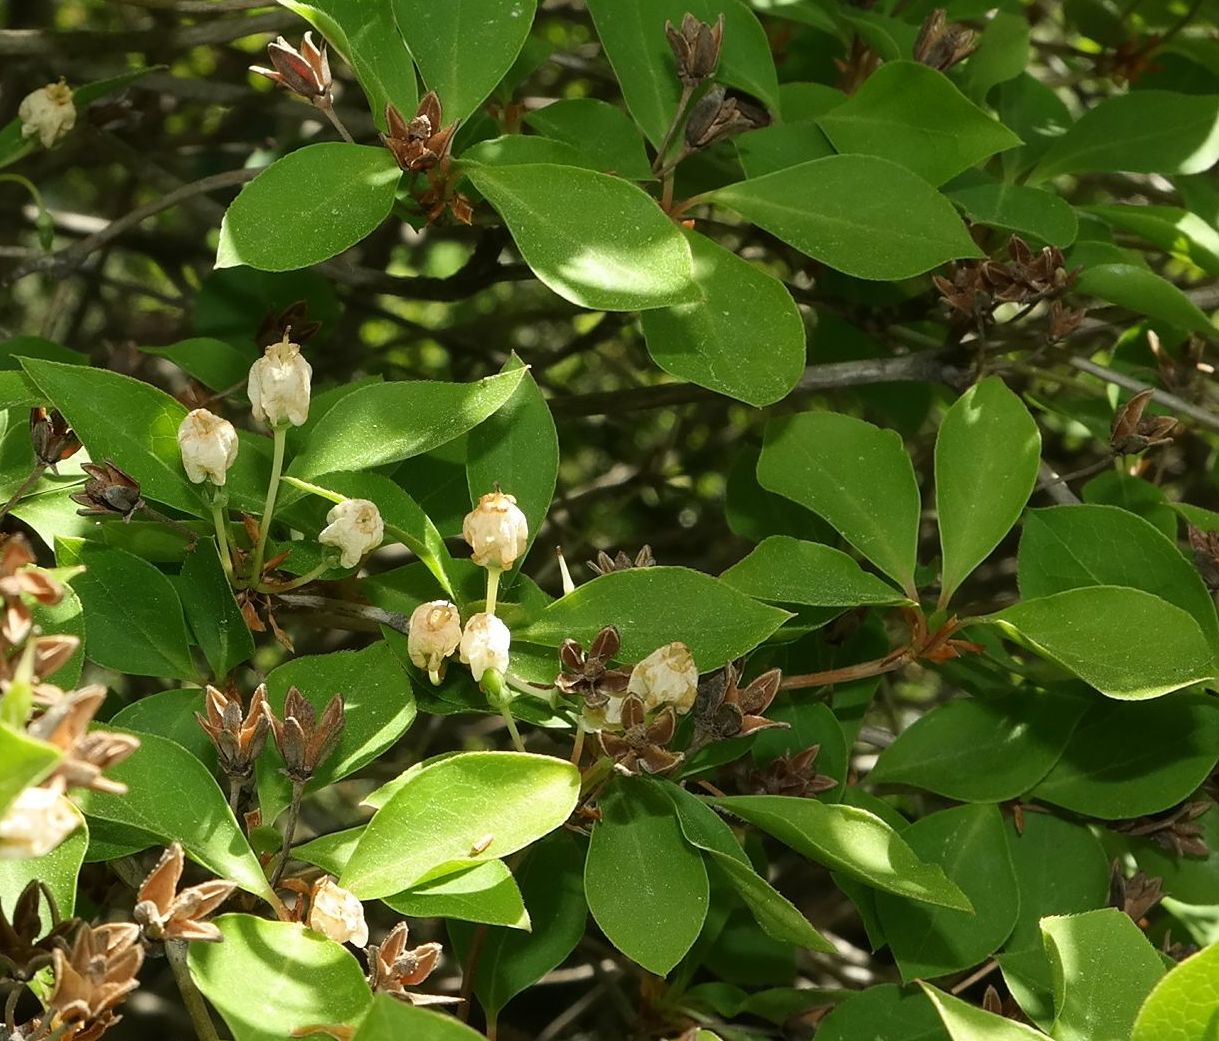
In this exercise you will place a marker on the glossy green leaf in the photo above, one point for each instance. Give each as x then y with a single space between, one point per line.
518 149
1127 759
268 979
379 707
1160 648
214 363
1036 113
517 449
966 1022
969 844
882 1012
1188 879
173 796
135 618
215 619
986 460
779 146
367 37
912 114
850 840
603 134
1027 211
387 422
857 476
1143 131
26 761
1182 233
1103 967
1146 293
597 241
791 571
1067 547
633 35
17 347
1002 54
982 750
464 47
743 337
1184 1005
484 893
57 870
655 606
391 1019
646 886
860 214
511 961
171 714
448 809
308 206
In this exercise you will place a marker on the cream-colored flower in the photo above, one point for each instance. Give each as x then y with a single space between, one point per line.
47 113
667 676
279 385
354 527
37 821
435 632
209 446
336 913
496 530
484 645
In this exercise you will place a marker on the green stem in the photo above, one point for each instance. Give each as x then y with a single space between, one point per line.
280 434
302 580
222 537
205 1029
687 92
493 574
515 734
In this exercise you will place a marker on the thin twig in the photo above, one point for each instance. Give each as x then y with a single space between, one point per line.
1200 415
175 954
294 809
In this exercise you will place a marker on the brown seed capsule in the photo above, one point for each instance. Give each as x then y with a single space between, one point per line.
53 439
305 72
718 115
92 979
392 967
108 492
239 736
304 740
1133 433
164 913
696 46
421 143
940 45
642 744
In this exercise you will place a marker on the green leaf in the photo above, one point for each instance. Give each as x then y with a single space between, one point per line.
387 422
740 306
57 870
912 114
1144 131
646 886
986 460
970 844
882 1013
220 628
655 606
598 241
1188 879
26 761
511 961
366 35
308 206
66 617
1184 1005
1002 54
1103 967
214 363
464 47
135 616
966 1022
774 913
520 149
1016 207
517 448
850 840
18 347
976 750
633 35
1126 643
603 134
445 812
1128 759
170 714
1146 293
484 892
1068 547
269 978
857 476
172 795
379 707
390 1019
862 215
779 146
1179 232
795 572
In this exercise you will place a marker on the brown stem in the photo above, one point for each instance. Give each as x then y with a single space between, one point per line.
236 786
337 123
26 485
294 809
205 1029
687 92
467 977
889 663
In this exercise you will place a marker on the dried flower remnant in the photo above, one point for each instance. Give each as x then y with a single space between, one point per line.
239 736
86 753
108 492
47 113
304 71
353 527
604 564
588 674
696 47
208 445
392 967
643 744
723 709
19 580
421 143
279 385
25 949
793 774
977 287
336 913
292 319
485 644
304 739
941 45
164 913
434 635
1175 831
666 678
1134 433
496 531
1136 895
53 438
92 979
719 115
1205 546
36 822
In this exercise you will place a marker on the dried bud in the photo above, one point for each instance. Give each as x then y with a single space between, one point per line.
604 563
53 439
666 677
165 914
37 821
354 527
1064 320
1133 433
718 115
941 45
239 738
305 72
696 46
435 632
47 113
336 913
279 384
496 530
208 445
305 741
108 492
484 645
421 143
